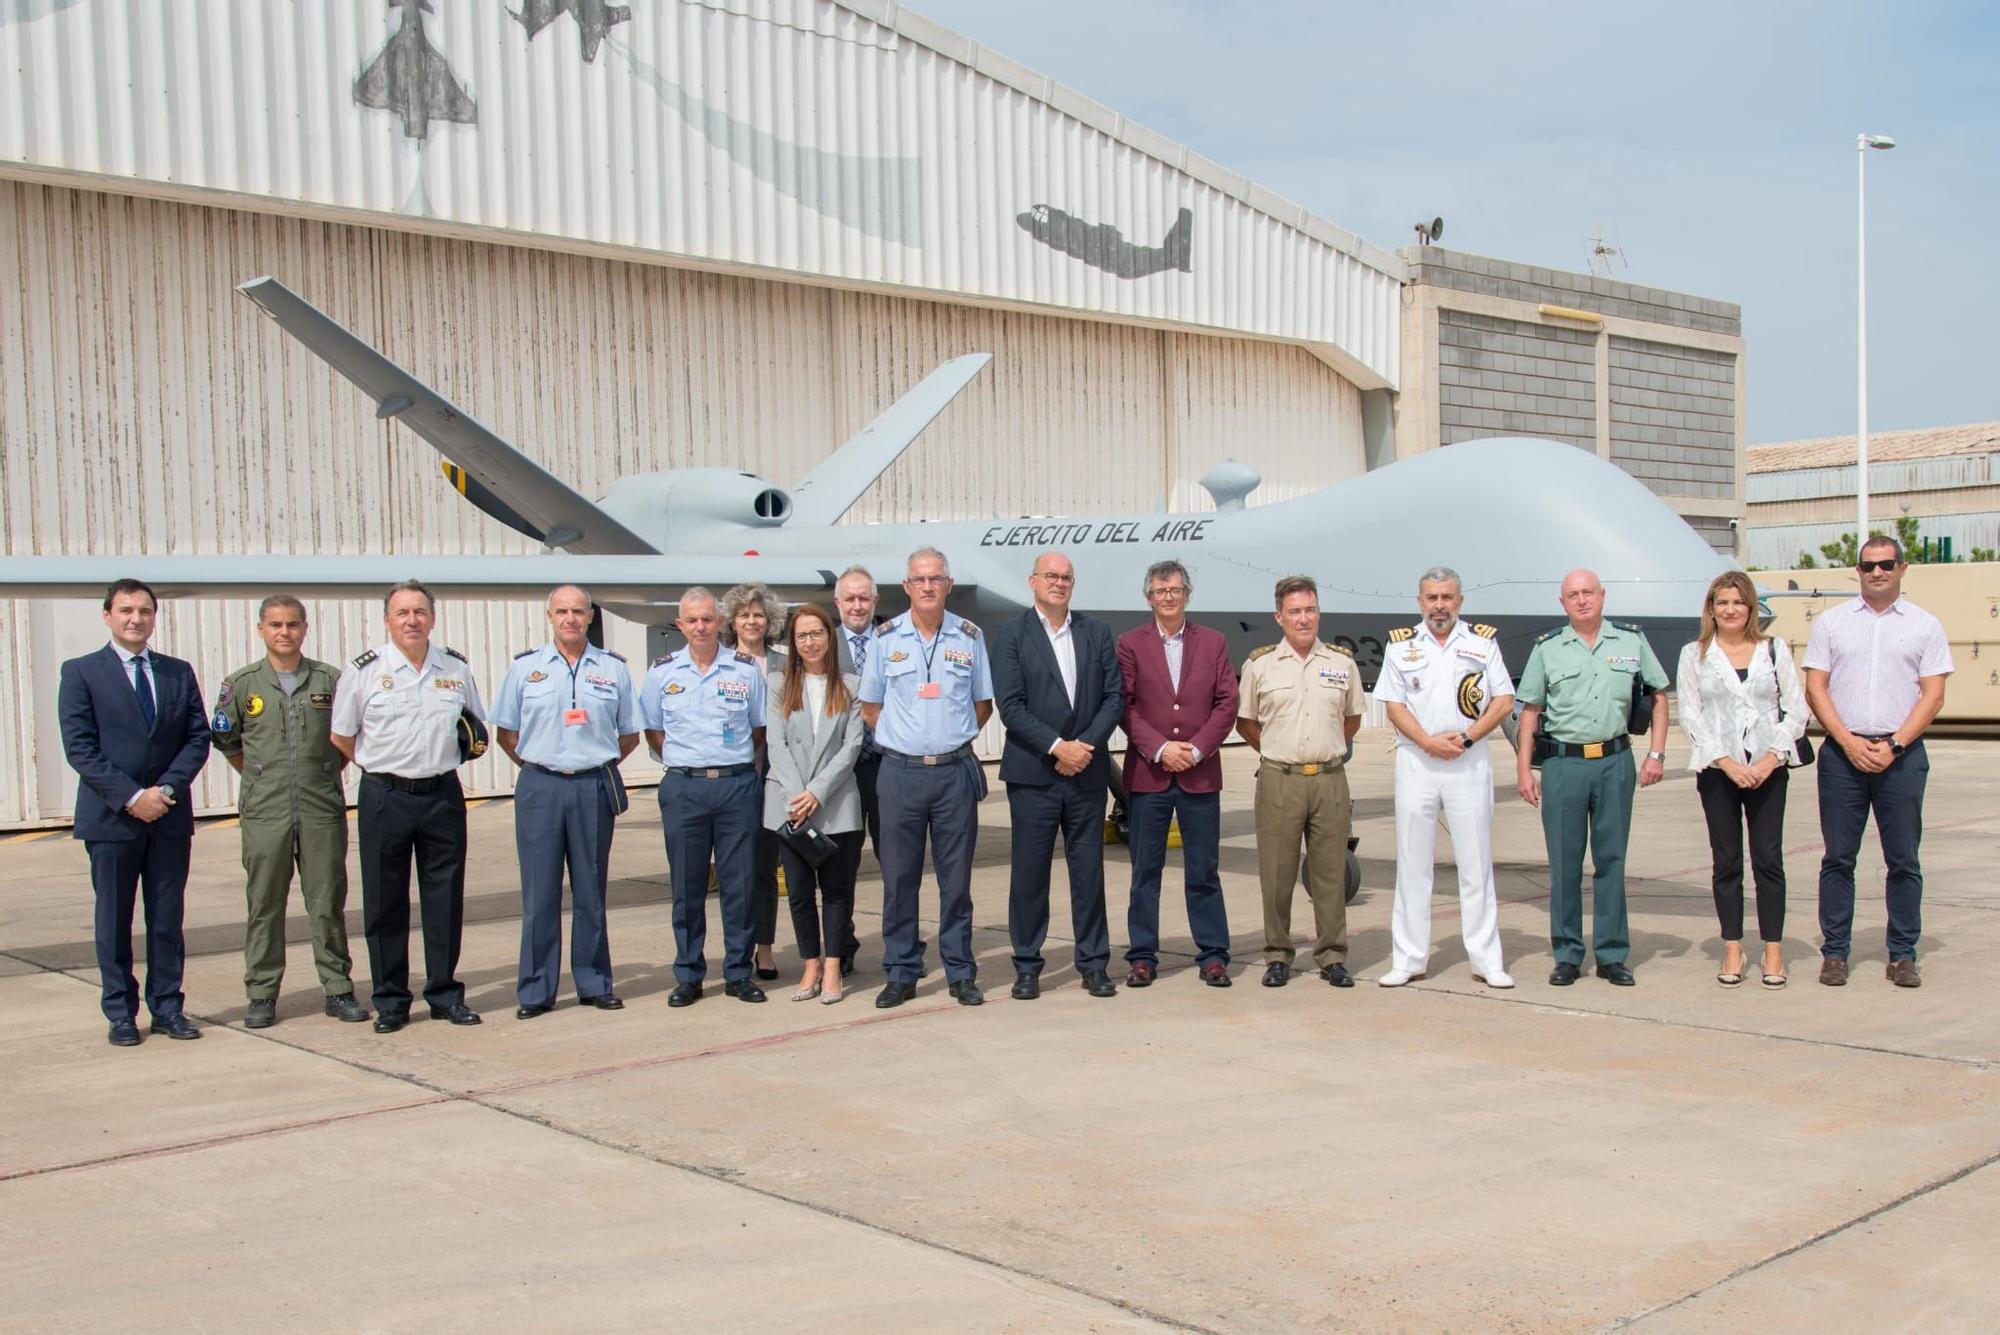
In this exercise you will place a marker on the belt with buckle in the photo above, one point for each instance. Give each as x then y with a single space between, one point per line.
709 771
428 784
566 773
1309 768
1593 750
943 757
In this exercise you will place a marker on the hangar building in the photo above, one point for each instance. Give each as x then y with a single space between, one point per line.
629 238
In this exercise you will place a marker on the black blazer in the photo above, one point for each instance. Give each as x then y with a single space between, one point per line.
1034 708
105 737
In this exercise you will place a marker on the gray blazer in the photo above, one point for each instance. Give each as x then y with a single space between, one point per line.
822 764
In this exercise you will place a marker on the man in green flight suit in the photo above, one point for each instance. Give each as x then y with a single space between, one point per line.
271 722
1581 677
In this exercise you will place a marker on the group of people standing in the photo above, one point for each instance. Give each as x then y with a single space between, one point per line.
790 755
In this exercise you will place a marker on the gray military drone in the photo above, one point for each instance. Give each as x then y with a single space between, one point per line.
1512 515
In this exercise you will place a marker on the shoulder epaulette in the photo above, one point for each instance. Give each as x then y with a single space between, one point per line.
1401 633
363 660
615 654
1335 649
525 652
969 628
1550 634
663 658
1258 653
1485 631
884 627
456 654
742 657
1632 626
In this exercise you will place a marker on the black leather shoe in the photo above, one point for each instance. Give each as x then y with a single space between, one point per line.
1276 974
530 1012
894 994
606 1002
847 964
346 1009
175 1026
458 1013
388 1022
124 1034
743 989
1027 987
1617 974
686 994
967 993
261 1013
1336 975
1564 974
1098 983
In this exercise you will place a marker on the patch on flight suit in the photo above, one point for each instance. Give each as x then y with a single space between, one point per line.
1470 696
220 723
253 706
320 699
224 696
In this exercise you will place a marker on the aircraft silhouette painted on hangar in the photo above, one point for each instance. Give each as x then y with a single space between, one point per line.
1511 515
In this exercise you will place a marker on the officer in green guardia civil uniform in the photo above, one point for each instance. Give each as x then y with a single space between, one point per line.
1580 676
271 723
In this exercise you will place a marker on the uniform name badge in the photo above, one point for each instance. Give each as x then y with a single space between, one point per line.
930 690
575 718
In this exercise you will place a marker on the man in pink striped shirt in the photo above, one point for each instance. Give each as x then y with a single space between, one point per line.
1875 671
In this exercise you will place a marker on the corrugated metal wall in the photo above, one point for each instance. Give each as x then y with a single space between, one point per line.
795 135
146 407
1884 478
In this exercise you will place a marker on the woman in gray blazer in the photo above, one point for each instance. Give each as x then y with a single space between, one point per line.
813 730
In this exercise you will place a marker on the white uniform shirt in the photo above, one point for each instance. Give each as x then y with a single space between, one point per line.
1446 686
1724 715
1875 661
1063 644
404 720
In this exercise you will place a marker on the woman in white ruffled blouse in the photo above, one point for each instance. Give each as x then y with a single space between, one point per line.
1743 708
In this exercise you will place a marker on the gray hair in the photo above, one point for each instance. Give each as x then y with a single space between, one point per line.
1440 575
1158 572
748 595
856 569
549 603
942 560
283 600
408 586
698 594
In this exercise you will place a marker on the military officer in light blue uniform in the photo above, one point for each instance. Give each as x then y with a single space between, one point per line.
703 711
926 691
566 714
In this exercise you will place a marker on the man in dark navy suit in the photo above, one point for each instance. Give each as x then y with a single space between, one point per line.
134 730
1056 682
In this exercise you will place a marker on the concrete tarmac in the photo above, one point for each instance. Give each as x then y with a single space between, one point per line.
1674 1156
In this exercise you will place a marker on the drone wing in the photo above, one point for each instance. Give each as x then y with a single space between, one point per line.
831 489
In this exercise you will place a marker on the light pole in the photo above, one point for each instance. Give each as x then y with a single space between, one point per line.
1862 143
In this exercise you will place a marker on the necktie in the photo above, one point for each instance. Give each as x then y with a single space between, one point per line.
142 686
860 643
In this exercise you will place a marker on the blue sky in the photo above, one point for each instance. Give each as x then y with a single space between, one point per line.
1716 139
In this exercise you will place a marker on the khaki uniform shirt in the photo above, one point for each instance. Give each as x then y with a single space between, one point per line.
290 769
1302 704
1585 690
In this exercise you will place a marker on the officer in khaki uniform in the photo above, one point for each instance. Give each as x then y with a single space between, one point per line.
1580 677
271 724
1300 706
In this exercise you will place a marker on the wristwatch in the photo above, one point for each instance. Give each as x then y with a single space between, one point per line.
167 791
1660 756
1896 748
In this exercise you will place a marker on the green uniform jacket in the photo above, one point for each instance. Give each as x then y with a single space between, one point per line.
1585 691
291 773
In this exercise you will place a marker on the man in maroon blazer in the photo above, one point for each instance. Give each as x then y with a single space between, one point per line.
1180 702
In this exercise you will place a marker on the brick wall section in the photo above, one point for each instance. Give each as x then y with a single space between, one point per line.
1505 378
1439 267
1673 417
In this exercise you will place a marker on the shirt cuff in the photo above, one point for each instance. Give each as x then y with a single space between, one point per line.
130 801
1162 751
1053 745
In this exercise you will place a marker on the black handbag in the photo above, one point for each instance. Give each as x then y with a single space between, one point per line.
807 842
1802 749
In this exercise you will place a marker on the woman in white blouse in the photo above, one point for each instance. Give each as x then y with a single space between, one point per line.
1744 710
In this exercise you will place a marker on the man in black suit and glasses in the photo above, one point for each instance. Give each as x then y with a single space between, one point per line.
1059 693
136 733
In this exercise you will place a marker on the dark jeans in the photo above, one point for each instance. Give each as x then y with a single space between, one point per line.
1896 796
1201 836
1728 809
830 922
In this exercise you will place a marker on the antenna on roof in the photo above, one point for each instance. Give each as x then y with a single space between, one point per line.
1430 231
1605 255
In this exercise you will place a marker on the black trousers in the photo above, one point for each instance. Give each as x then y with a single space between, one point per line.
1039 811
822 897
397 826
764 890
1728 809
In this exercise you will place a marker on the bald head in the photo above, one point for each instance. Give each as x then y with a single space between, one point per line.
569 618
1052 583
1583 600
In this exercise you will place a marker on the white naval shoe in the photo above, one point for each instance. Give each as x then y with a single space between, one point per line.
1397 978
1499 978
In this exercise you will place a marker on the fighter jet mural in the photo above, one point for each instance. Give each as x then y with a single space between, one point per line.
411 78
1512 516
594 19
1103 246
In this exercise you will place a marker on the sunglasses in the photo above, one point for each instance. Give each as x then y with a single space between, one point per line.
1870 567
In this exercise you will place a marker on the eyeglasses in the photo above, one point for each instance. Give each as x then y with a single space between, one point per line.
803 635
926 581
1175 592
1870 567
1057 579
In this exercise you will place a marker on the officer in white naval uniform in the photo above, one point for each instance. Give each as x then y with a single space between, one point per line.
1445 688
